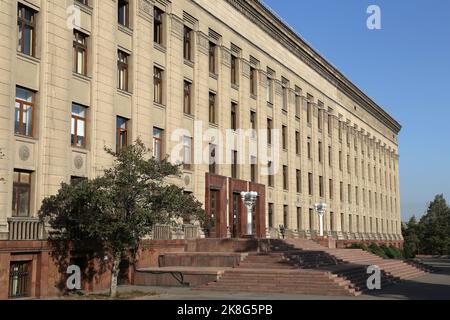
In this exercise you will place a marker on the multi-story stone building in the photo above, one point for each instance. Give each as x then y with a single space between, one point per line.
77 76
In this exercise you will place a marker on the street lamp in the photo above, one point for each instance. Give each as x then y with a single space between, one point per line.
320 208
249 199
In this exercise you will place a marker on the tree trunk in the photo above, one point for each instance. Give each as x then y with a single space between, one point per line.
114 275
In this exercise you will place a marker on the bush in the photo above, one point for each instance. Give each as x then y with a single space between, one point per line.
361 246
375 249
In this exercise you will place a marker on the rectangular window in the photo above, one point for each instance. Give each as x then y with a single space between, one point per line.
285 178
332 221
79 53
285 98
348 164
330 124
309 109
320 151
234 70
298 101
356 167
122 70
234 120
187 40
234 161
349 193
321 189
158 150
330 156
269 131
19 279
311 219
212 108
158 26
122 133
253 81
26 23
298 175
308 144
341 191
253 120
320 119
212 57
330 188
270 177
158 85
310 184
284 137
299 218
78 126
270 215
357 195
187 103
21 194
297 142
124 13
24 112
286 216
269 90
212 158
253 169
187 152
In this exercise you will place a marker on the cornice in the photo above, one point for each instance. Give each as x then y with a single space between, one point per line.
259 14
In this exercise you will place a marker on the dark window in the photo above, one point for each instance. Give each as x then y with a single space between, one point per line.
341 191
24 112
309 148
330 186
298 175
21 194
297 142
330 156
320 151
187 98
19 279
253 119
78 126
320 119
298 102
269 90
122 70
284 134
79 52
253 169
299 218
122 133
234 70
158 85
253 81
158 26
311 219
270 215
285 178
286 216
332 221
309 110
187 48
26 27
285 97
330 124
212 58
212 108
85 2
310 184
234 120
269 131
124 13
321 186
234 161
74 180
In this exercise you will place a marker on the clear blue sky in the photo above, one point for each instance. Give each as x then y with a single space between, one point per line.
404 67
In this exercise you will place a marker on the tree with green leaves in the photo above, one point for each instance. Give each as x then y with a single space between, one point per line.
115 211
434 228
410 231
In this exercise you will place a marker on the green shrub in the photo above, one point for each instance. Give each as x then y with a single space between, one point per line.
375 249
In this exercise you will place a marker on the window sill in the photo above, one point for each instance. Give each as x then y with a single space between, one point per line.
159 105
82 77
214 75
253 96
284 111
188 115
297 118
26 138
189 63
79 149
124 92
125 29
235 86
159 47
27 57
213 125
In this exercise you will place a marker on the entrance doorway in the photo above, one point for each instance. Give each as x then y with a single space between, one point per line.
235 219
214 209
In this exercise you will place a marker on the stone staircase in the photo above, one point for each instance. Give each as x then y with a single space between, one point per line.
273 266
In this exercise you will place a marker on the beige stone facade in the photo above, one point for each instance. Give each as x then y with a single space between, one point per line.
359 148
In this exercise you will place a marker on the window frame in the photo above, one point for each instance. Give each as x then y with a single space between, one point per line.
122 70
78 119
22 104
22 24
121 131
77 48
158 79
20 185
158 140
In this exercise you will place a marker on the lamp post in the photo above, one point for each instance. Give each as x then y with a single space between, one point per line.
249 199
320 208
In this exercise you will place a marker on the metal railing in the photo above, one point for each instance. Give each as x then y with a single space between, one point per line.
167 232
22 229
